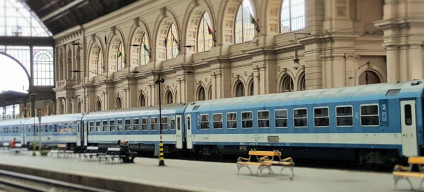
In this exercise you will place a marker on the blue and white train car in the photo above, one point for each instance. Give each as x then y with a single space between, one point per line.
370 122
10 129
54 130
139 126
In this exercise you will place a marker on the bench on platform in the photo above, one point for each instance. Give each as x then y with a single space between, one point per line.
5 146
59 151
404 172
264 160
112 154
91 153
17 148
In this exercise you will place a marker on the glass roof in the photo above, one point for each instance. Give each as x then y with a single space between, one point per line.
16 19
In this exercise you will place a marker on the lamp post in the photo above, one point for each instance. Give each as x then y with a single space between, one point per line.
32 95
161 158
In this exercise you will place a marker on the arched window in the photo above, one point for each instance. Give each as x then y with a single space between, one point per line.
368 77
292 15
145 50
244 29
251 88
99 105
239 89
142 100
120 57
201 94
118 103
302 82
287 84
169 97
204 35
171 43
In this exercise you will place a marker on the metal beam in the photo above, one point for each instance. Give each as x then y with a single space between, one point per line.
68 6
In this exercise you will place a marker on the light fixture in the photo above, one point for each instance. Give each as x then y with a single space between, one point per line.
296 60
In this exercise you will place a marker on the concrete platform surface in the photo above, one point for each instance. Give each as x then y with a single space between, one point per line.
214 176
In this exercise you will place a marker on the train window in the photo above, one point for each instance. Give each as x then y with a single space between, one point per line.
204 121
144 122
154 123
164 123
408 114
92 128
61 128
263 119
300 117
55 128
246 120
105 125
321 117
112 125
217 121
281 118
344 116
136 124
119 125
98 127
232 120
127 124
172 120
369 115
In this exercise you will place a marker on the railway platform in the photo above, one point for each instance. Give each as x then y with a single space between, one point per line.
182 175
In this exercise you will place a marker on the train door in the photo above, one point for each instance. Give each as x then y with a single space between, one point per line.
179 133
79 136
409 128
85 129
188 125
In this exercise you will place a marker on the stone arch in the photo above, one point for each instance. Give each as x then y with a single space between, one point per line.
192 22
168 97
286 83
200 93
118 103
113 61
229 19
239 89
369 76
142 99
98 104
138 31
165 20
96 61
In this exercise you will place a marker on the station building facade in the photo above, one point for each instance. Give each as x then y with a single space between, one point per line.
212 49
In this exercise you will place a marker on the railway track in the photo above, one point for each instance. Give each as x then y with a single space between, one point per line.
11 181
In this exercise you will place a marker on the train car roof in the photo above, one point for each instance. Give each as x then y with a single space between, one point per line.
362 92
12 121
60 118
138 111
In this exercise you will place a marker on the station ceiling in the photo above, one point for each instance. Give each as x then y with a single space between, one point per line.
60 15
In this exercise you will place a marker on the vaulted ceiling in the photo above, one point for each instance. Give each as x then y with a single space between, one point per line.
60 15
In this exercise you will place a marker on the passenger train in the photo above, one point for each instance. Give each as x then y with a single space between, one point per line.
369 123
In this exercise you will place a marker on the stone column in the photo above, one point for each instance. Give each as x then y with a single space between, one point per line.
393 64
